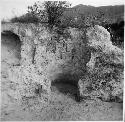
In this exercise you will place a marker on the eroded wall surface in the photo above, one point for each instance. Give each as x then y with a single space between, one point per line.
46 59
106 66
75 59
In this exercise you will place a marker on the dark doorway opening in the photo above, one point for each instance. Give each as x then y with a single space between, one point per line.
66 85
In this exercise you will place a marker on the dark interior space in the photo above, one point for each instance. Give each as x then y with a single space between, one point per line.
67 85
10 48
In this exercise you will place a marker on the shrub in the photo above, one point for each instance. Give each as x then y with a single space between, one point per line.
27 18
49 11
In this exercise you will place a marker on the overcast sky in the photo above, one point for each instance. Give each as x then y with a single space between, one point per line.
11 8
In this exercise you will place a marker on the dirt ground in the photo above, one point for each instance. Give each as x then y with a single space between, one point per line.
62 105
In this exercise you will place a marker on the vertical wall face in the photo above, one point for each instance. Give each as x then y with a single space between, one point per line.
62 60
45 59
17 55
27 49
105 67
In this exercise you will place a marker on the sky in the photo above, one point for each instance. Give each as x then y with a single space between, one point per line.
11 8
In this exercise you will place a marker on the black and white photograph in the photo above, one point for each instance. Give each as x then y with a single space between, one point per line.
62 60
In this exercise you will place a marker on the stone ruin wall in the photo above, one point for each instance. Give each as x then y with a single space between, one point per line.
45 59
105 69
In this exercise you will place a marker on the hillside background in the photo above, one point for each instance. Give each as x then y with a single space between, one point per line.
113 13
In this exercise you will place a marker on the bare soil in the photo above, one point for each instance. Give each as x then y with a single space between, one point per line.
62 105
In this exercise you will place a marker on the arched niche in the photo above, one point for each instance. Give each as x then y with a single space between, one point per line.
10 47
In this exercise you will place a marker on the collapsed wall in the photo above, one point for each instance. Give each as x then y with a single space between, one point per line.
62 59
105 68
90 62
46 59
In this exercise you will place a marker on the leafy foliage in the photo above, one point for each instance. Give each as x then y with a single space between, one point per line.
27 18
83 21
49 11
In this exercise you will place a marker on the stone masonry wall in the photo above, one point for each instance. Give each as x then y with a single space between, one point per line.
44 59
75 59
